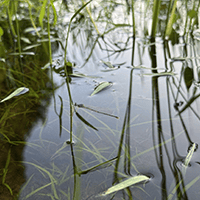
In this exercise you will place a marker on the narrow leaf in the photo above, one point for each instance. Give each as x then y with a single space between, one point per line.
189 155
26 40
171 20
22 53
94 110
126 183
30 47
60 115
100 87
54 12
85 122
17 92
108 64
99 166
160 74
42 13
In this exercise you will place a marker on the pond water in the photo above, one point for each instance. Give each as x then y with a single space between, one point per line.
146 122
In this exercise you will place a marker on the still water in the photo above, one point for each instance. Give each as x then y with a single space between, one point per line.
146 122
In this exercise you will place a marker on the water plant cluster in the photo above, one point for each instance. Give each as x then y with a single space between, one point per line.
147 149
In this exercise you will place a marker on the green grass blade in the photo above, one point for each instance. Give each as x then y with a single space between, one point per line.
85 121
42 13
108 64
100 87
171 20
189 155
126 183
156 11
17 92
54 12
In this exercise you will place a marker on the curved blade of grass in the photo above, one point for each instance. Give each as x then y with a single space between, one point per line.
99 166
126 183
60 115
52 179
69 27
85 121
100 87
17 92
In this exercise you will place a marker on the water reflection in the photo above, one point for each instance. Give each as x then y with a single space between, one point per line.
78 153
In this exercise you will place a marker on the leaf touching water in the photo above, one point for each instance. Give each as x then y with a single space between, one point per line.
85 121
189 155
126 183
17 92
100 87
108 64
160 74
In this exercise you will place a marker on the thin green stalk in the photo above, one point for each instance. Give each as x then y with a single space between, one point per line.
156 10
69 27
49 36
31 18
133 18
90 15
171 20
65 68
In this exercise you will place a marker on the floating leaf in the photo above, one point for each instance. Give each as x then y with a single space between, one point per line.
80 75
189 155
108 64
126 183
160 74
100 87
85 122
17 92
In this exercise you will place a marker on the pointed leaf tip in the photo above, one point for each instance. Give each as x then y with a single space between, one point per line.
17 92
127 183
100 87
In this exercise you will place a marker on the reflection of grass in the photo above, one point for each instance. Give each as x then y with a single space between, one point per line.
24 73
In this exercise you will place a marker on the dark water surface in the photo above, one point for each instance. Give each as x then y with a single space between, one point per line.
154 93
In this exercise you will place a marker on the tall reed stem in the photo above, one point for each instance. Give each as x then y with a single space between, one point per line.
156 10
